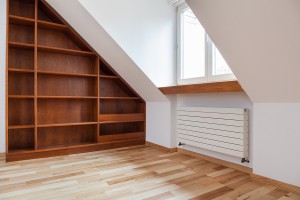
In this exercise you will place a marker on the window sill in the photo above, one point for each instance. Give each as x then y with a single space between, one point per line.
216 87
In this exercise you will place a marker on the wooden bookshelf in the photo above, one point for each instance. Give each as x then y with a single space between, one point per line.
62 97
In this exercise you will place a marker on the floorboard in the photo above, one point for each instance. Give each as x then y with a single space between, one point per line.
132 173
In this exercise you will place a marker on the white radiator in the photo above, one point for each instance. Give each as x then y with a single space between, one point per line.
223 130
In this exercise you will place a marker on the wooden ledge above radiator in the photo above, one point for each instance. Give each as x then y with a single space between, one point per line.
216 87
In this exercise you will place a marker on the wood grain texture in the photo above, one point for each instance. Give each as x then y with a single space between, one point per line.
228 86
53 89
139 172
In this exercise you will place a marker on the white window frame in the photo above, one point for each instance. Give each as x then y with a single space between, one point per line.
208 53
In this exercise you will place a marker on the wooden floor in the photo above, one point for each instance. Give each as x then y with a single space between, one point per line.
129 173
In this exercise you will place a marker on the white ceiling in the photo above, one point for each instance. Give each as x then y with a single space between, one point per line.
260 41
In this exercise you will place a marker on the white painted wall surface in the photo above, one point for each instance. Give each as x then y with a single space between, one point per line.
277 141
260 42
145 29
2 72
225 100
158 127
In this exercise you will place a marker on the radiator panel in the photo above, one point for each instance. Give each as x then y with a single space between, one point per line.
223 130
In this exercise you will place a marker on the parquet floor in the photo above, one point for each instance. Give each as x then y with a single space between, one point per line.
140 172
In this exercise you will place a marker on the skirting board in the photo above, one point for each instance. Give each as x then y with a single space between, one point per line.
281 185
156 146
278 184
215 160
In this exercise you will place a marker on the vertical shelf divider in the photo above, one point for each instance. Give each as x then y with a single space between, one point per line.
35 74
6 81
98 99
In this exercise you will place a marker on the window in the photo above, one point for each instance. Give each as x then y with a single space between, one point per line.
199 60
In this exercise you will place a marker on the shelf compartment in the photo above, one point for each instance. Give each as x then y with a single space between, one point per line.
20 139
61 39
20 112
105 70
120 106
21 33
122 137
52 85
121 128
58 137
20 83
116 118
114 88
45 14
22 8
60 63
61 111
20 58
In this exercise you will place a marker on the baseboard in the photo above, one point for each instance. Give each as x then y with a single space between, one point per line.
279 184
156 146
216 160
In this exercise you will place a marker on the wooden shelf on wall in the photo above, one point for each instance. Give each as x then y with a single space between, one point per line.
117 118
216 87
62 96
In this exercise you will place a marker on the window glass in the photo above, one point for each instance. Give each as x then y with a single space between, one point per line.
193 55
219 65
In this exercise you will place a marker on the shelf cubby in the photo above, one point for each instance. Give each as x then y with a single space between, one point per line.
121 106
59 111
53 85
59 39
57 137
114 88
20 83
121 128
22 8
19 58
45 14
20 139
64 63
21 32
20 112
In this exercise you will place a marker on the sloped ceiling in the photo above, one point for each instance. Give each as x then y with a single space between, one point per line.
260 41
89 29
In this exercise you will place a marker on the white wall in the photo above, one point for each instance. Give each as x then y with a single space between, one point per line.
2 72
145 29
277 141
158 127
230 100
260 41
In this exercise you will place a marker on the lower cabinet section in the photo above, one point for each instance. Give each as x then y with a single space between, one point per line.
20 140
56 137
15 156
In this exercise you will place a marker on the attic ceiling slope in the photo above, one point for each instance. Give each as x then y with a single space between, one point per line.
94 34
260 41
